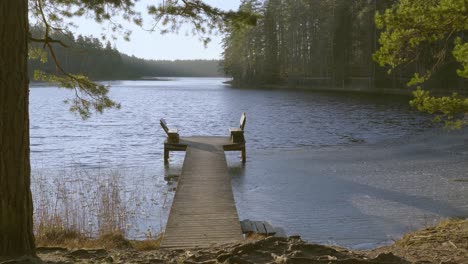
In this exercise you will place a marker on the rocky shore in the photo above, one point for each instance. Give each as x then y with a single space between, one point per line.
445 243
268 250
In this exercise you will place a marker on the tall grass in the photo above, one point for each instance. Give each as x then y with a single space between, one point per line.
77 204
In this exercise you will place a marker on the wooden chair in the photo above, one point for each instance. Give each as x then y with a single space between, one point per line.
237 137
237 133
172 138
172 134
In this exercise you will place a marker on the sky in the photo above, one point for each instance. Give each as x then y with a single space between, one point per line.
152 45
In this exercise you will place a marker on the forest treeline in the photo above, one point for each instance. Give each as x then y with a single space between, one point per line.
326 44
101 61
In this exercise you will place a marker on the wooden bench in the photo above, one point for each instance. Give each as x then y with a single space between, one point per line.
237 136
172 137
237 133
235 142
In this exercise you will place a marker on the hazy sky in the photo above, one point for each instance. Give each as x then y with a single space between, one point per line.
170 46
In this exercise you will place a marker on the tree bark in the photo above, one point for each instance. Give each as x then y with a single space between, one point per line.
16 209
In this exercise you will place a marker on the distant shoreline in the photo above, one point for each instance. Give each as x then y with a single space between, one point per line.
34 84
308 88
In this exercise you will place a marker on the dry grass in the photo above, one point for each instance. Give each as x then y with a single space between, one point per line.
55 234
114 240
255 236
444 242
86 209
146 245
73 239
453 232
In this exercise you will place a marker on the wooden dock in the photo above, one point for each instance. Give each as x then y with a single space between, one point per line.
203 212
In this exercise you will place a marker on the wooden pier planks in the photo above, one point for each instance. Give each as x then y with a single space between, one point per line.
203 212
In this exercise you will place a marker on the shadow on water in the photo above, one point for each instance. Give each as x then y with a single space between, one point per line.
173 169
236 169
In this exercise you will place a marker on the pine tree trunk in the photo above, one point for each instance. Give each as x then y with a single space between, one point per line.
16 210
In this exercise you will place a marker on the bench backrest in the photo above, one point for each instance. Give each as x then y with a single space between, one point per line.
242 121
164 125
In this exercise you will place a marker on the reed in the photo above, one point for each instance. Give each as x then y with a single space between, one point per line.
81 208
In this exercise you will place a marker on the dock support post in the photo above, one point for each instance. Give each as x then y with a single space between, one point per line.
166 155
243 155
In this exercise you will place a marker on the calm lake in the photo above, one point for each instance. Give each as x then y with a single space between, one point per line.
311 168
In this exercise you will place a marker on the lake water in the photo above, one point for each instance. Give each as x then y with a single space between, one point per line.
276 184
276 119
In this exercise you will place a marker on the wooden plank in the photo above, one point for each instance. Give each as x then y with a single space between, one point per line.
203 212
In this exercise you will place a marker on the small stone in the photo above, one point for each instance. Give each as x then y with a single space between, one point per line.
189 254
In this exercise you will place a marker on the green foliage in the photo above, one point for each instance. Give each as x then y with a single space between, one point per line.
447 109
37 54
299 41
88 95
422 31
427 32
460 52
205 19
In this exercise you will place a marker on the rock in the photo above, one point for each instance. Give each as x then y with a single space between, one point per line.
189 254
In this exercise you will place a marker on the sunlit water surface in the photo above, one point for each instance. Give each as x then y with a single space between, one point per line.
281 125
